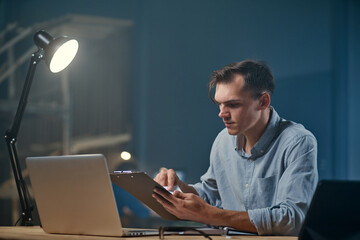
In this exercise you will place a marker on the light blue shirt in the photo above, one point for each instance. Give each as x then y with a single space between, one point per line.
274 184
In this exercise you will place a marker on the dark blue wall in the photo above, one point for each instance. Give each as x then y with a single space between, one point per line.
354 87
312 47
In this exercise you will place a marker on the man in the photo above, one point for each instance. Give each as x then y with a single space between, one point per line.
263 169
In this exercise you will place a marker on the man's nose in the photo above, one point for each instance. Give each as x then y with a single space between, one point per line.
224 113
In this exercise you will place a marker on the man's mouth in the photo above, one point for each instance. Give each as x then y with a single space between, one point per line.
228 124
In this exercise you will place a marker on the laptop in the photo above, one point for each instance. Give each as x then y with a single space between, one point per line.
74 195
334 212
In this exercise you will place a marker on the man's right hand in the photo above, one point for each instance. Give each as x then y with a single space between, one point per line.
168 178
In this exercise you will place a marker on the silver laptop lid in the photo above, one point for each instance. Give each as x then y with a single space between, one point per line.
74 195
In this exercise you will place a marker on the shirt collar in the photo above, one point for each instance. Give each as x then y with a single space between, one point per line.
265 140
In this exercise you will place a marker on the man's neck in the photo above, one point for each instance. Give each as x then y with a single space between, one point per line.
253 136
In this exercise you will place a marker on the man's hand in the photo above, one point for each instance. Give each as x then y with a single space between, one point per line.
168 178
186 206
189 206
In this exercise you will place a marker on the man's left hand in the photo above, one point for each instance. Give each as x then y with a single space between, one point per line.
186 206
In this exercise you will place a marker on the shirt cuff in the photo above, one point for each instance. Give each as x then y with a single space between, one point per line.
261 219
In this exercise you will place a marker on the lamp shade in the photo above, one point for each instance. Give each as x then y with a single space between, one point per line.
58 52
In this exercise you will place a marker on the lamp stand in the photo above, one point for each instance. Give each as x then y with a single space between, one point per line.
11 137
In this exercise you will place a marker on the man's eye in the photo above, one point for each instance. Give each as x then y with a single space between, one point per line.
234 105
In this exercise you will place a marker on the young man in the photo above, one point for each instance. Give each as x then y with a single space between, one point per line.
263 169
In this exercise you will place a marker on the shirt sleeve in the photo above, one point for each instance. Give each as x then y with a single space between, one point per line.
294 191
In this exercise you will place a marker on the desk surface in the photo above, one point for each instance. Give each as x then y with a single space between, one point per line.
32 233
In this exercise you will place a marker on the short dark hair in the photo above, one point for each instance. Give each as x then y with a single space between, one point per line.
257 76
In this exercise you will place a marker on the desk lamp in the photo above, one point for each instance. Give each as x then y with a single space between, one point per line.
58 54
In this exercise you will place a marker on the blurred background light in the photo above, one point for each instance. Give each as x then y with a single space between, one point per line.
125 155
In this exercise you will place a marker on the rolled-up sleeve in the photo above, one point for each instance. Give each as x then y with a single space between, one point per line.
294 191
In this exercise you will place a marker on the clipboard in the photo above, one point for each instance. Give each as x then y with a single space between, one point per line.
141 186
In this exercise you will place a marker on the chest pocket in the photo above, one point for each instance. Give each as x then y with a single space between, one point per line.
263 191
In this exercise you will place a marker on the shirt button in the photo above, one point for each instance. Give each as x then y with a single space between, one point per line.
246 185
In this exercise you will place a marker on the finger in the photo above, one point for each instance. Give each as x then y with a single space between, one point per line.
161 191
164 194
179 194
161 177
160 199
168 206
171 179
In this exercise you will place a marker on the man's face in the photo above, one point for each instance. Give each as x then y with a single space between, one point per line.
238 109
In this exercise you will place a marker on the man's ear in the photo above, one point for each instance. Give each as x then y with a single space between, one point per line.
264 101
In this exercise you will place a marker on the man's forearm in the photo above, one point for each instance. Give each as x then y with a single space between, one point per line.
227 218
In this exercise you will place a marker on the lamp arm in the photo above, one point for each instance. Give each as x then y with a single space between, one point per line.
11 137
35 59
25 202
